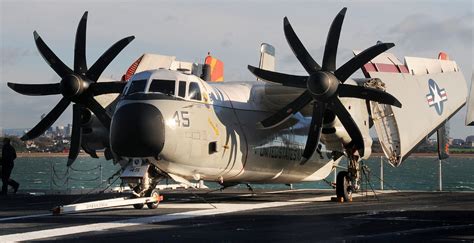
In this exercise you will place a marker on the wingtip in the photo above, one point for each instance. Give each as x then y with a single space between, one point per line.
251 68
36 35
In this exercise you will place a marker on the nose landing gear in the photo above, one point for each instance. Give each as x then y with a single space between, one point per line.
348 182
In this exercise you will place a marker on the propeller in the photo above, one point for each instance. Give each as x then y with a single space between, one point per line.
325 85
78 86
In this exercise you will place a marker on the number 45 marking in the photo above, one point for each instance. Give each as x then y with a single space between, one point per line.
181 118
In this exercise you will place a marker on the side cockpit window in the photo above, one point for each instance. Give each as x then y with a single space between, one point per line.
163 86
182 89
194 91
137 86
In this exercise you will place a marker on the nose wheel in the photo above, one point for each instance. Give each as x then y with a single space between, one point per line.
344 187
153 193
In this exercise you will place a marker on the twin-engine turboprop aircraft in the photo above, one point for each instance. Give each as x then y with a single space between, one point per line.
283 128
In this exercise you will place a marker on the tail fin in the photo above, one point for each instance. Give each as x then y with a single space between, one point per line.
217 68
267 57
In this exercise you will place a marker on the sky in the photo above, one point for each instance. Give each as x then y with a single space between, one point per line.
230 30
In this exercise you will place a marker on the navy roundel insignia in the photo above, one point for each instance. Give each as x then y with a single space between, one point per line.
436 96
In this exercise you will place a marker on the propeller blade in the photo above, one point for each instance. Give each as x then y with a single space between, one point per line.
75 135
346 70
332 41
286 112
107 87
90 152
80 65
99 66
53 61
314 131
361 92
47 121
36 89
298 48
275 77
99 111
349 124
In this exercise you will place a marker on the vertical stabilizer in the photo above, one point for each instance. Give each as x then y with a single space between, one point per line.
267 57
216 68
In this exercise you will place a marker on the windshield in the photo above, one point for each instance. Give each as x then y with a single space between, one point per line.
162 86
137 86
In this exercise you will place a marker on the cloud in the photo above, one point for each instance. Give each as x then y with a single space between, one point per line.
433 33
11 56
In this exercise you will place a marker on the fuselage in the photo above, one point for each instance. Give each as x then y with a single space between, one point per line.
207 131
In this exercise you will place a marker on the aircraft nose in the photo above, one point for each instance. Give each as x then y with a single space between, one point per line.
137 130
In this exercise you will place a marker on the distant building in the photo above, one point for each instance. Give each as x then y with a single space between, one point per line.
68 130
457 142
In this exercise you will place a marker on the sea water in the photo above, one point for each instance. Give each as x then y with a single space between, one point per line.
416 173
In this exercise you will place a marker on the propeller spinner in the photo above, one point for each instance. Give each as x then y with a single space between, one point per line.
324 85
78 86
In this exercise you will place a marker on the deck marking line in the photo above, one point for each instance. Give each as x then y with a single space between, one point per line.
222 208
25 217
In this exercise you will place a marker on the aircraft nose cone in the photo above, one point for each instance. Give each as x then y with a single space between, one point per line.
137 130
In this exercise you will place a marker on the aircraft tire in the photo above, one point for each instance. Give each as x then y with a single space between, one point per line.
153 193
343 187
138 205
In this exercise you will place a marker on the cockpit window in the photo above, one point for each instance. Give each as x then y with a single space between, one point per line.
163 86
137 86
182 89
194 91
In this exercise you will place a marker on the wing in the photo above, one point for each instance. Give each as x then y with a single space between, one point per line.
431 92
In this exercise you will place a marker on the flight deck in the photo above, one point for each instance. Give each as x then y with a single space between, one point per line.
236 215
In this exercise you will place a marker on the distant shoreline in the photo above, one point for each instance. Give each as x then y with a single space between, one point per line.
37 155
374 155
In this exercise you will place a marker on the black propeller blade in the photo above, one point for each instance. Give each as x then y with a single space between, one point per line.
325 85
298 48
284 79
75 134
346 70
368 94
36 89
53 61
78 86
47 121
349 124
314 131
332 41
80 65
99 66
285 113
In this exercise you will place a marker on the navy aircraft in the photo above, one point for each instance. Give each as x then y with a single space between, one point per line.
282 128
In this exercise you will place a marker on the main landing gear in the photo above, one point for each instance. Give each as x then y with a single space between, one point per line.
348 181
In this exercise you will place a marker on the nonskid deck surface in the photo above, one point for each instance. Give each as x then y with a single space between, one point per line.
238 215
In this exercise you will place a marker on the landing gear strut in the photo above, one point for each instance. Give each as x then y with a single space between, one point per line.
142 177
